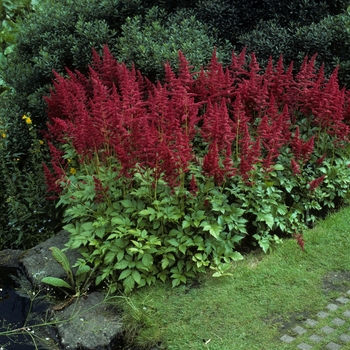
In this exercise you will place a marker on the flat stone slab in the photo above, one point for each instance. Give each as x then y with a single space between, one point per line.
333 346
327 330
311 322
345 338
299 330
338 321
287 338
304 346
316 338
342 300
332 307
92 324
38 262
322 314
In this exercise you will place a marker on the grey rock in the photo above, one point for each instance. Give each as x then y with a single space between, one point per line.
92 324
38 261
10 257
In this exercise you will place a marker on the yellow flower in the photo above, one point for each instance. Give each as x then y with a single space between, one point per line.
41 142
27 119
3 135
73 171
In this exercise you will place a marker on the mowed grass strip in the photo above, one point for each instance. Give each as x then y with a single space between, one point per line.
248 309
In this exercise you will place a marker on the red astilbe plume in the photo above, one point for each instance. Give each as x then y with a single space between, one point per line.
253 90
184 74
280 82
306 76
249 152
213 82
193 185
329 109
211 164
273 131
217 125
228 164
300 240
53 179
67 96
179 100
315 183
101 192
302 150
319 161
173 115
237 67
218 129
295 167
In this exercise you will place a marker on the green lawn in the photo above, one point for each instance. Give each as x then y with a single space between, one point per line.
245 310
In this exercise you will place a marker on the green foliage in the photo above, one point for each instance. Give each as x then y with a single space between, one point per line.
329 38
140 231
151 41
230 19
11 13
78 282
26 217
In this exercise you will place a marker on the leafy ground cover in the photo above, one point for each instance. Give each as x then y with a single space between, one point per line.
248 309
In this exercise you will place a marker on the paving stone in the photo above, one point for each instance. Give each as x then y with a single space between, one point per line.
327 330
333 346
311 322
287 338
322 314
338 321
346 313
304 346
315 338
345 338
299 330
332 307
342 300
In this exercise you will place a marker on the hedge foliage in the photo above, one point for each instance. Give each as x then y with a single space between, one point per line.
58 34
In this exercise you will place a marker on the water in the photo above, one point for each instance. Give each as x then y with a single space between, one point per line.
14 311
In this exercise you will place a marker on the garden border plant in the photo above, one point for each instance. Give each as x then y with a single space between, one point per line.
164 181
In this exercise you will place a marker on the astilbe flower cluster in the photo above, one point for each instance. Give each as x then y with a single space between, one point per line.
243 116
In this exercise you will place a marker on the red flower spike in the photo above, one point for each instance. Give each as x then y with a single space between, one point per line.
300 240
295 167
315 183
193 186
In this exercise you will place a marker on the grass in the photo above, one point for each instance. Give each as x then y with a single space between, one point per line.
248 309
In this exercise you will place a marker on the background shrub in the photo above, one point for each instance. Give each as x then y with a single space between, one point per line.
151 41
329 38
26 217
